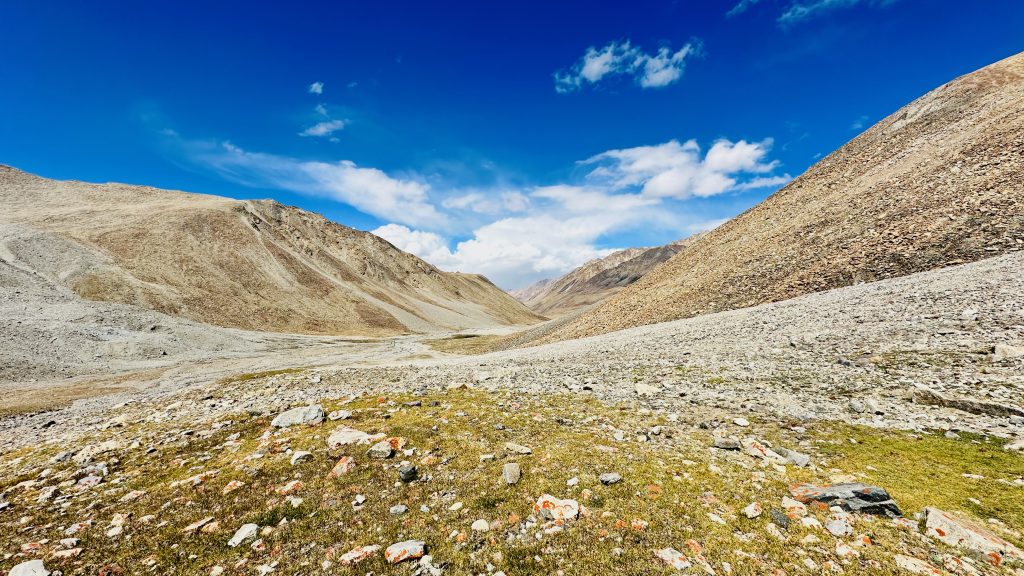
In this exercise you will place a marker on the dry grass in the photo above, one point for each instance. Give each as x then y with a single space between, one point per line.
465 344
673 482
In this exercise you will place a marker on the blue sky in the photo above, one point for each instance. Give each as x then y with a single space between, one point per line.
514 139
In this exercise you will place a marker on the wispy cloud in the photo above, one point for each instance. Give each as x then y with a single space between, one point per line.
656 70
372 191
807 9
859 123
741 7
316 88
325 128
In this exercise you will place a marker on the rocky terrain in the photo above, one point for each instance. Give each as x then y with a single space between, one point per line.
252 265
872 429
596 280
937 183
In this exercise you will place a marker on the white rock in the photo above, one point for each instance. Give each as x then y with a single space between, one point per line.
313 414
246 532
480 525
301 455
30 568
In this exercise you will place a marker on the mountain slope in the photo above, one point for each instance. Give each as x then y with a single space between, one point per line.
597 280
255 265
939 182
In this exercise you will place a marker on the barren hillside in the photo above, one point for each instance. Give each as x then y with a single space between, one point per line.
596 280
939 182
255 265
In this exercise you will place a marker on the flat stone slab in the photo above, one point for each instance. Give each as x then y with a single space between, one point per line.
855 497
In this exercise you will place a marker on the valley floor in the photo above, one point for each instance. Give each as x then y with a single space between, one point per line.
913 384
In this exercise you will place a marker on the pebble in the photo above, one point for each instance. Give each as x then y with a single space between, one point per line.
381 450
407 473
30 568
300 455
398 509
741 422
753 510
609 478
480 525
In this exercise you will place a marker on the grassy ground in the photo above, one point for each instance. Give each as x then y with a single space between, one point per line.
465 344
673 483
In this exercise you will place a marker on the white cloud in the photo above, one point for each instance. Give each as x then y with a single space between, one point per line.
678 170
807 9
742 7
656 70
368 189
518 236
316 88
859 123
488 202
325 128
321 110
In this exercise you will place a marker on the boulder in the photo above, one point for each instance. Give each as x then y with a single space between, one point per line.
855 497
30 568
303 415
969 535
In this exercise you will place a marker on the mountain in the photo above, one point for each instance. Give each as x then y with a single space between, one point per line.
596 280
255 265
525 293
937 183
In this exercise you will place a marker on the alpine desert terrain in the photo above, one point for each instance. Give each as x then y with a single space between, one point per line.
939 182
253 265
831 383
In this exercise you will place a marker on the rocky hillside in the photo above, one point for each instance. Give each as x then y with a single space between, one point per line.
939 182
596 280
255 265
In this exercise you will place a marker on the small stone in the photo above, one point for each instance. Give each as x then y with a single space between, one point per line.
839 527
243 534
741 422
511 473
398 509
480 526
339 415
381 450
915 566
753 510
304 415
517 448
345 465
345 436
407 473
673 558
554 509
300 455
609 478
574 481
726 443
643 390
193 526
455 507
858 406
357 555
408 550
779 518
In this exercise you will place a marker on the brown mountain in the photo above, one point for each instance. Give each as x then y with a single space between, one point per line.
596 280
939 182
254 265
